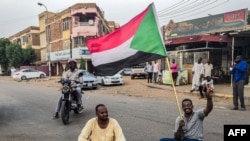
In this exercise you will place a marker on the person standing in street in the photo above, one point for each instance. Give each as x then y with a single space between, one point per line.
174 70
101 127
149 69
208 67
198 72
238 71
155 70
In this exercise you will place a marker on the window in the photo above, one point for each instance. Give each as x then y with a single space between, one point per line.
79 41
86 21
65 24
24 39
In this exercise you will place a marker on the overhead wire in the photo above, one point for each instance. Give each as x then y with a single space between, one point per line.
191 11
172 6
180 8
211 7
184 12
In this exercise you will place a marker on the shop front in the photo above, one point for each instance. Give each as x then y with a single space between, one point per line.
218 38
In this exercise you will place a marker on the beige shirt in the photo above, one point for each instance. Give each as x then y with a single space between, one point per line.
92 131
156 67
68 75
208 69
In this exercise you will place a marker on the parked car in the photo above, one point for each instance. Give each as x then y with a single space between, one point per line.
29 73
89 80
138 71
116 79
127 71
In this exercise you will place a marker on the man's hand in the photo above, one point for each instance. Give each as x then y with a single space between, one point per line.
179 132
209 91
182 123
209 107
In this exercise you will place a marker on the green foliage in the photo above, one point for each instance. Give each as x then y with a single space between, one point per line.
3 59
29 55
82 64
14 53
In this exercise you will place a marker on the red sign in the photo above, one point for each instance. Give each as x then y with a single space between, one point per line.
235 16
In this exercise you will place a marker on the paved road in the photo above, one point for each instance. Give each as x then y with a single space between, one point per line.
25 113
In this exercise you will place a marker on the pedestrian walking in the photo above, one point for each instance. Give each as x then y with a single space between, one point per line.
198 72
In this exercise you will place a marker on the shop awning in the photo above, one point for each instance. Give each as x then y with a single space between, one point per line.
198 38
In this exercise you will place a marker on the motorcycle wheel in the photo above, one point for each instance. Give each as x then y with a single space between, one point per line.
65 112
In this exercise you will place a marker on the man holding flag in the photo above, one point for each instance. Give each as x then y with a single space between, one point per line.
136 42
189 126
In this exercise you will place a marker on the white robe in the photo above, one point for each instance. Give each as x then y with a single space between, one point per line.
198 69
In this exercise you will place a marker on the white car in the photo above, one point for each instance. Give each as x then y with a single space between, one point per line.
24 74
116 79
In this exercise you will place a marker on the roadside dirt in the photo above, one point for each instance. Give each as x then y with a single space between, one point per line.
130 87
135 88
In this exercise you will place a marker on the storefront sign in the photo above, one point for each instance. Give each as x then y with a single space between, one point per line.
216 23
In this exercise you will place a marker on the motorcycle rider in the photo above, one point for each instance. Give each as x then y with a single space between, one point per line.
71 74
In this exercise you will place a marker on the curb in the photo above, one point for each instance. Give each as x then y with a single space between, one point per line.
219 95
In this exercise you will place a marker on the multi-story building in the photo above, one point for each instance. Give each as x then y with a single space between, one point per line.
28 37
43 19
67 32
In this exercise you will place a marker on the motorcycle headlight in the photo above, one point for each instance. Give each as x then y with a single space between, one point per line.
65 89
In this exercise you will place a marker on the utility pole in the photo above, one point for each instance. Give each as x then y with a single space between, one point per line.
70 47
47 37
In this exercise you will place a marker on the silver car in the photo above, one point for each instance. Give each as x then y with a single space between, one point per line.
89 80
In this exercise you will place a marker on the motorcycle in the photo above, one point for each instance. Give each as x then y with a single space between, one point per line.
69 100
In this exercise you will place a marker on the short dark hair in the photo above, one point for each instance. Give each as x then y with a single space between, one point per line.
99 105
187 99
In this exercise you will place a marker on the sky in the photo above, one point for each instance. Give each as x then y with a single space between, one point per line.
16 15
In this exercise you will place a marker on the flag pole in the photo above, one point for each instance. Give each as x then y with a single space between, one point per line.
176 96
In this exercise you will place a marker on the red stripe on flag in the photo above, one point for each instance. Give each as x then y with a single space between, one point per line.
116 37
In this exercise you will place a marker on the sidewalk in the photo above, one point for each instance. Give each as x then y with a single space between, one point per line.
221 90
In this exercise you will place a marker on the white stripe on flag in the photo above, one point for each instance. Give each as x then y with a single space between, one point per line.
112 55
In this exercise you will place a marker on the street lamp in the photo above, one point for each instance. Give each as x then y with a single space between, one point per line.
47 36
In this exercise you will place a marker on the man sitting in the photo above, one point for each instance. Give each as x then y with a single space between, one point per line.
208 82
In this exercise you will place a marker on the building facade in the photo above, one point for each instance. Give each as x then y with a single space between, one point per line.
30 36
67 32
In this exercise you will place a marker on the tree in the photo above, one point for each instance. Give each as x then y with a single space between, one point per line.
29 56
82 64
3 59
14 53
